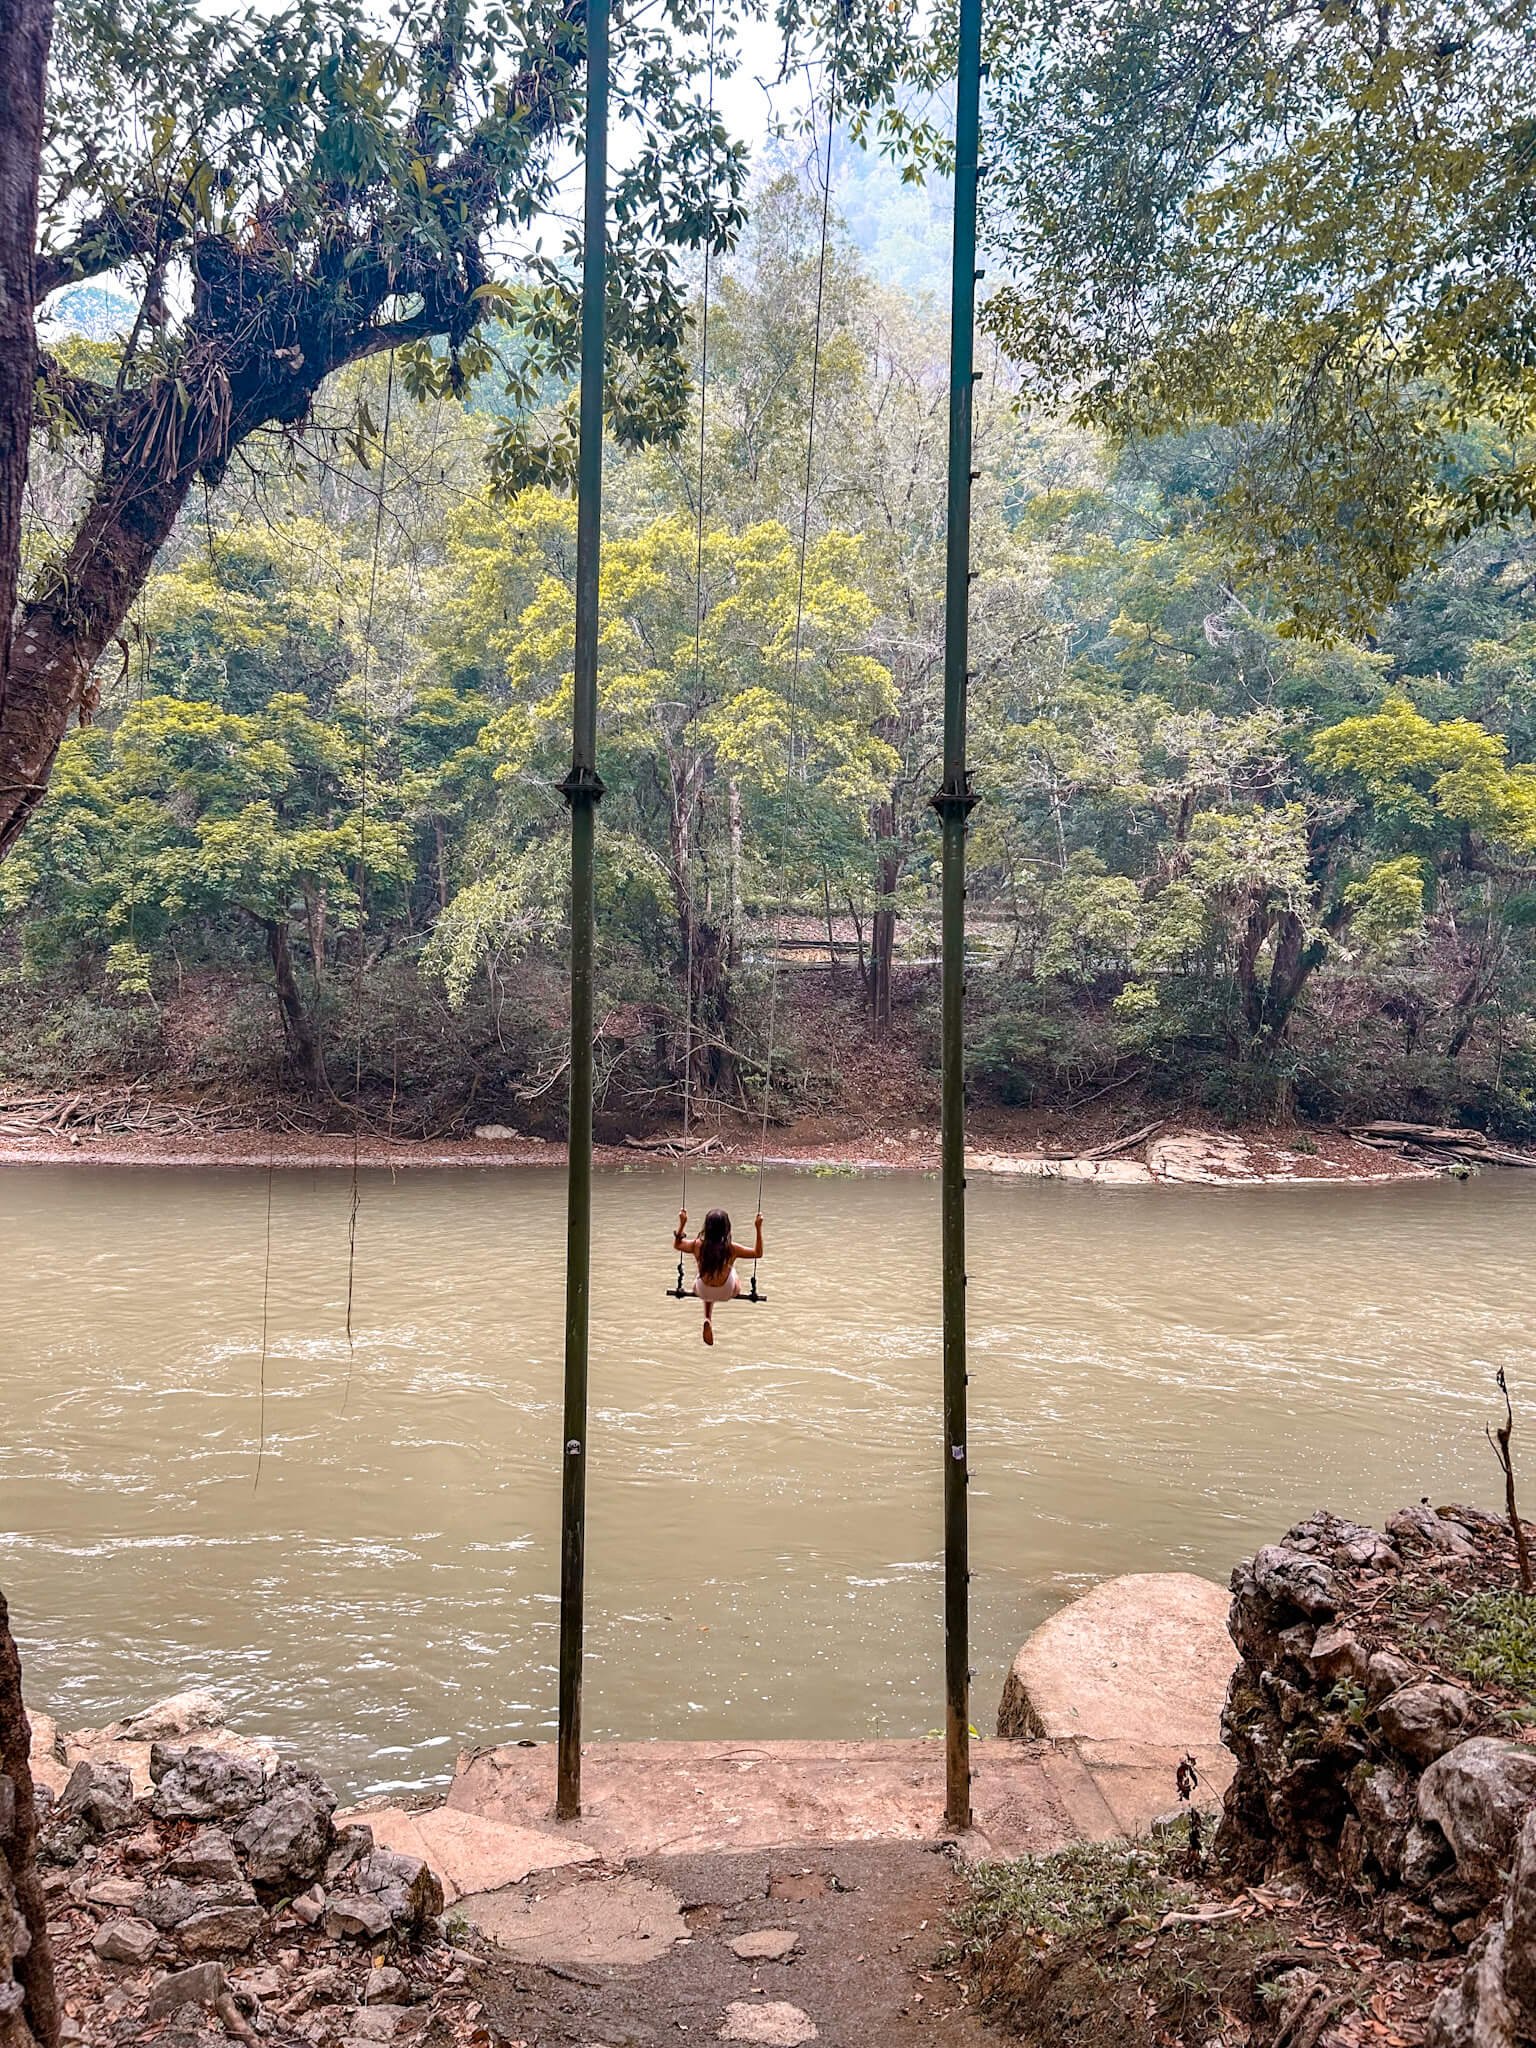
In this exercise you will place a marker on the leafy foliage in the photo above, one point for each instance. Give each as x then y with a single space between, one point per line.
1305 231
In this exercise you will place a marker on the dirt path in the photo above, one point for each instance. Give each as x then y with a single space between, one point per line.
869 1921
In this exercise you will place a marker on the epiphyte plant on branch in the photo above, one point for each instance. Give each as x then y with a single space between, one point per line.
287 193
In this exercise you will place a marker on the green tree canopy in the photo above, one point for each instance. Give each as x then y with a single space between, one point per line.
1310 229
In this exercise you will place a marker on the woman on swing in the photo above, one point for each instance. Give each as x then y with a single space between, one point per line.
716 1257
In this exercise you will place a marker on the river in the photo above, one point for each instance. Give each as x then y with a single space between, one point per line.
1160 1378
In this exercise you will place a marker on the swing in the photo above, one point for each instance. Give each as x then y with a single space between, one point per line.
681 1291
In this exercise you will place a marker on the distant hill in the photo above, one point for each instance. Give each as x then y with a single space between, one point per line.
93 310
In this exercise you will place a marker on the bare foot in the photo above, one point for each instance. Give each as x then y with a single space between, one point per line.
709 1331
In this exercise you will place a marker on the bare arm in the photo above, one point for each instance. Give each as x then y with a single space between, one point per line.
751 1251
690 1245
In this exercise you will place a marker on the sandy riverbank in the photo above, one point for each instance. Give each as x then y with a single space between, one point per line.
1105 1150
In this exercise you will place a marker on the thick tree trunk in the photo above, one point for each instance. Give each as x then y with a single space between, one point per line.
297 1025
26 28
25 1956
237 373
64 629
1250 990
1291 965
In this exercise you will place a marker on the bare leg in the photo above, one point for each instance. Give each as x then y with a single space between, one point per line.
709 1322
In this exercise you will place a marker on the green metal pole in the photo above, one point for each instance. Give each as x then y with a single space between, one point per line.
953 801
582 788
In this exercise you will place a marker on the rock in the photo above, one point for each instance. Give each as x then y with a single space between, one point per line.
1421 1527
1410 1926
223 1930
1423 1721
470 1854
101 1795
285 1840
1426 1854
1385 1672
387 1986
184 1713
1474 2012
47 1759
201 1984
352 1844
209 1858
406 1885
308 1906
7 1810
609 1922
1519 1921
260 1984
1455 1901
1337 1657
204 1784
123 1894
1493 2004
383 2023
1383 1803
1139 1661
766 1945
771 2024
126 1941
1206 1159
361 1916
170 1903
1476 1795
1292 1579
492 1132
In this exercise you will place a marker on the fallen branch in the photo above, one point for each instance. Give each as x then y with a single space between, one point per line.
1127 1144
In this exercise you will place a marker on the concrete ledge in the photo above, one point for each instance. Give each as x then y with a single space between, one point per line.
669 1798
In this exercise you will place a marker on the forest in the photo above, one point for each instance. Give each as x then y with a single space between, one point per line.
1254 656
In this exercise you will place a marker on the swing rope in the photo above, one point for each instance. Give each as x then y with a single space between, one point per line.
698 642
792 735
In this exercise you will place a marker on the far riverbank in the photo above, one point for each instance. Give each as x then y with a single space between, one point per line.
1102 1145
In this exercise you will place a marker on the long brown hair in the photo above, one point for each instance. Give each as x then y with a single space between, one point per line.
715 1246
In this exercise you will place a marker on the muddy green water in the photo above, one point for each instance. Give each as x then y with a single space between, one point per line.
1159 1379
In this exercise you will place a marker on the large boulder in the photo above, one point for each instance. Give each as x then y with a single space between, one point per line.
101 1795
286 1839
1141 1658
1493 2004
204 1784
183 1714
1477 1794
1291 1579
1423 1721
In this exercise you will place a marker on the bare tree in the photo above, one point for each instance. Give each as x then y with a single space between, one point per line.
1500 1443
